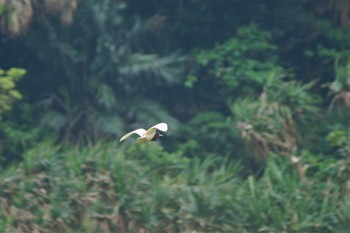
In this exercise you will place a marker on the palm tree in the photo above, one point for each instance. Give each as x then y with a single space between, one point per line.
96 79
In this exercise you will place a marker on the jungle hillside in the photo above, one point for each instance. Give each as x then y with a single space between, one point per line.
255 94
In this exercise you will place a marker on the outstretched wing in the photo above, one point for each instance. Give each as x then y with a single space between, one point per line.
161 126
140 132
152 131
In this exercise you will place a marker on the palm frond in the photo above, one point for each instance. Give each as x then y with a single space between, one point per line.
54 119
106 123
148 112
150 65
105 96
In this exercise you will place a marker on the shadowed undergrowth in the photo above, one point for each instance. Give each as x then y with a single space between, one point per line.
145 189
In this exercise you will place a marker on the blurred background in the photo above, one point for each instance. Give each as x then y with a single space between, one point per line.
256 95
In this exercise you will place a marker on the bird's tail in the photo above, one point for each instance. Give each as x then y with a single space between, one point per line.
141 139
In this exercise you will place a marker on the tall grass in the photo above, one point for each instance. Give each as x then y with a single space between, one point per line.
105 188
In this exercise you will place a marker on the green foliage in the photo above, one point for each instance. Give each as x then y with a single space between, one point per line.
101 188
11 139
18 133
207 133
297 96
8 93
190 81
242 62
340 140
271 123
156 155
2 9
340 87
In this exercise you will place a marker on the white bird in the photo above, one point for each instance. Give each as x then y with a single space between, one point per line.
152 134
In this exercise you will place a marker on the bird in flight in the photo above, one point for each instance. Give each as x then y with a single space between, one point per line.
152 134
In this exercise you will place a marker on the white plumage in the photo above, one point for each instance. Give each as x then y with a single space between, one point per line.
152 134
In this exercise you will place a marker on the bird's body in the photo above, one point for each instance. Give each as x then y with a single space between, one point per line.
156 136
152 134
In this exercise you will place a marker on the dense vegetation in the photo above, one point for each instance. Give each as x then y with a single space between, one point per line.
256 96
145 189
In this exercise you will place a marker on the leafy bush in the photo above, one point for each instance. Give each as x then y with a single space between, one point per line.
242 63
11 140
18 132
8 93
272 122
208 133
